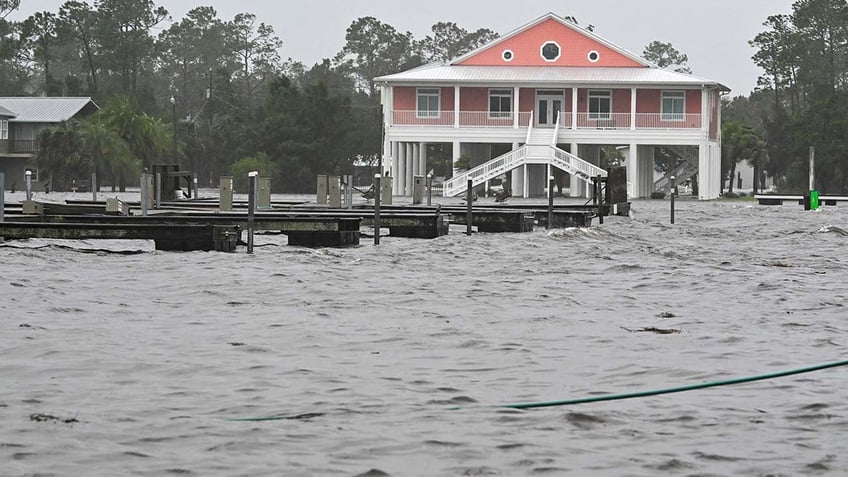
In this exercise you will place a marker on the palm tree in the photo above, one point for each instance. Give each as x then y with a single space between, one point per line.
739 142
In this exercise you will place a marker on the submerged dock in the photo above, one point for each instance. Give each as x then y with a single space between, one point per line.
198 225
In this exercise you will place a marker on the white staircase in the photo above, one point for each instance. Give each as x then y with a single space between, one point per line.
539 149
687 167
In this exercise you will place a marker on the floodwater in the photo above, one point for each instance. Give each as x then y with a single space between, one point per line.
391 360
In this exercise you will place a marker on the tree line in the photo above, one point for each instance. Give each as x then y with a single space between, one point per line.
801 100
218 86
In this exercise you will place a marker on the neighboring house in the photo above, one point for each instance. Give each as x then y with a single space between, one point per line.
551 94
20 120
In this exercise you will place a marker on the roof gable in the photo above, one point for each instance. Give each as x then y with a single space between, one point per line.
576 47
47 110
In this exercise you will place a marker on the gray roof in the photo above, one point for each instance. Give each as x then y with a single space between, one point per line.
545 75
6 113
46 110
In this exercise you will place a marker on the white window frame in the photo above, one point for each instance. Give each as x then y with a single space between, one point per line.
599 94
674 96
428 112
542 51
4 129
500 93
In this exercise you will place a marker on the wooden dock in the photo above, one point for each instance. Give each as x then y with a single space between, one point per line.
184 226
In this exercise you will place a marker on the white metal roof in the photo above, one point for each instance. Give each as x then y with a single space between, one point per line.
45 110
6 113
544 75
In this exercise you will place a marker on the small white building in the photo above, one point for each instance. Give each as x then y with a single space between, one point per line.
551 95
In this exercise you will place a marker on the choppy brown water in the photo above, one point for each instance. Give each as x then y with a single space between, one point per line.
147 355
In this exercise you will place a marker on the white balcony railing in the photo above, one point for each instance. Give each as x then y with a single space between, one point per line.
486 119
467 119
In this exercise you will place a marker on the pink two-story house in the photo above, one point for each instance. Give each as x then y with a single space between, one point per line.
550 95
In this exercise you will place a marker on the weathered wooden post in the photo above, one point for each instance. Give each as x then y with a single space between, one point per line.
145 193
550 203
225 201
28 175
252 178
94 186
263 195
599 194
429 189
321 190
157 187
673 193
417 190
194 184
335 193
348 191
377 200
469 198
2 195
385 191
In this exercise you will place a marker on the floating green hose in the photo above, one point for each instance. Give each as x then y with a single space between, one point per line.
679 389
605 397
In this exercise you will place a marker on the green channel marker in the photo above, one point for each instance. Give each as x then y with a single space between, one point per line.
814 200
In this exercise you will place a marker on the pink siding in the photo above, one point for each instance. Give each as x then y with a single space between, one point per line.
693 102
473 99
648 101
621 101
527 100
404 98
574 49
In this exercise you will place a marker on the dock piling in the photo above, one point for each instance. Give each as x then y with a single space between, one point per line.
94 186
429 189
145 193
550 203
469 198
252 176
377 199
226 193
2 195
673 194
28 174
157 187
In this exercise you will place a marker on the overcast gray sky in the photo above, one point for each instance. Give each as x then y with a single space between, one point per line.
713 34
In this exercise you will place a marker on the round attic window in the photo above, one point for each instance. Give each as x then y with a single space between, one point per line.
594 56
507 55
550 51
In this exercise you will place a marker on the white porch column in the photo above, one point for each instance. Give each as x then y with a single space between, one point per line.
709 171
456 106
423 170
526 169
395 165
416 160
577 188
516 177
515 105
410 162
633 108
574 111
633 172
456 152
401 171
388 105
706 114
645 172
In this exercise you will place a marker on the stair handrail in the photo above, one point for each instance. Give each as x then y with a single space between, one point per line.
529 129
497 166
576 166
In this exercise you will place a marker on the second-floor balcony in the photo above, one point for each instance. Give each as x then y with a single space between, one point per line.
487 119
22 146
